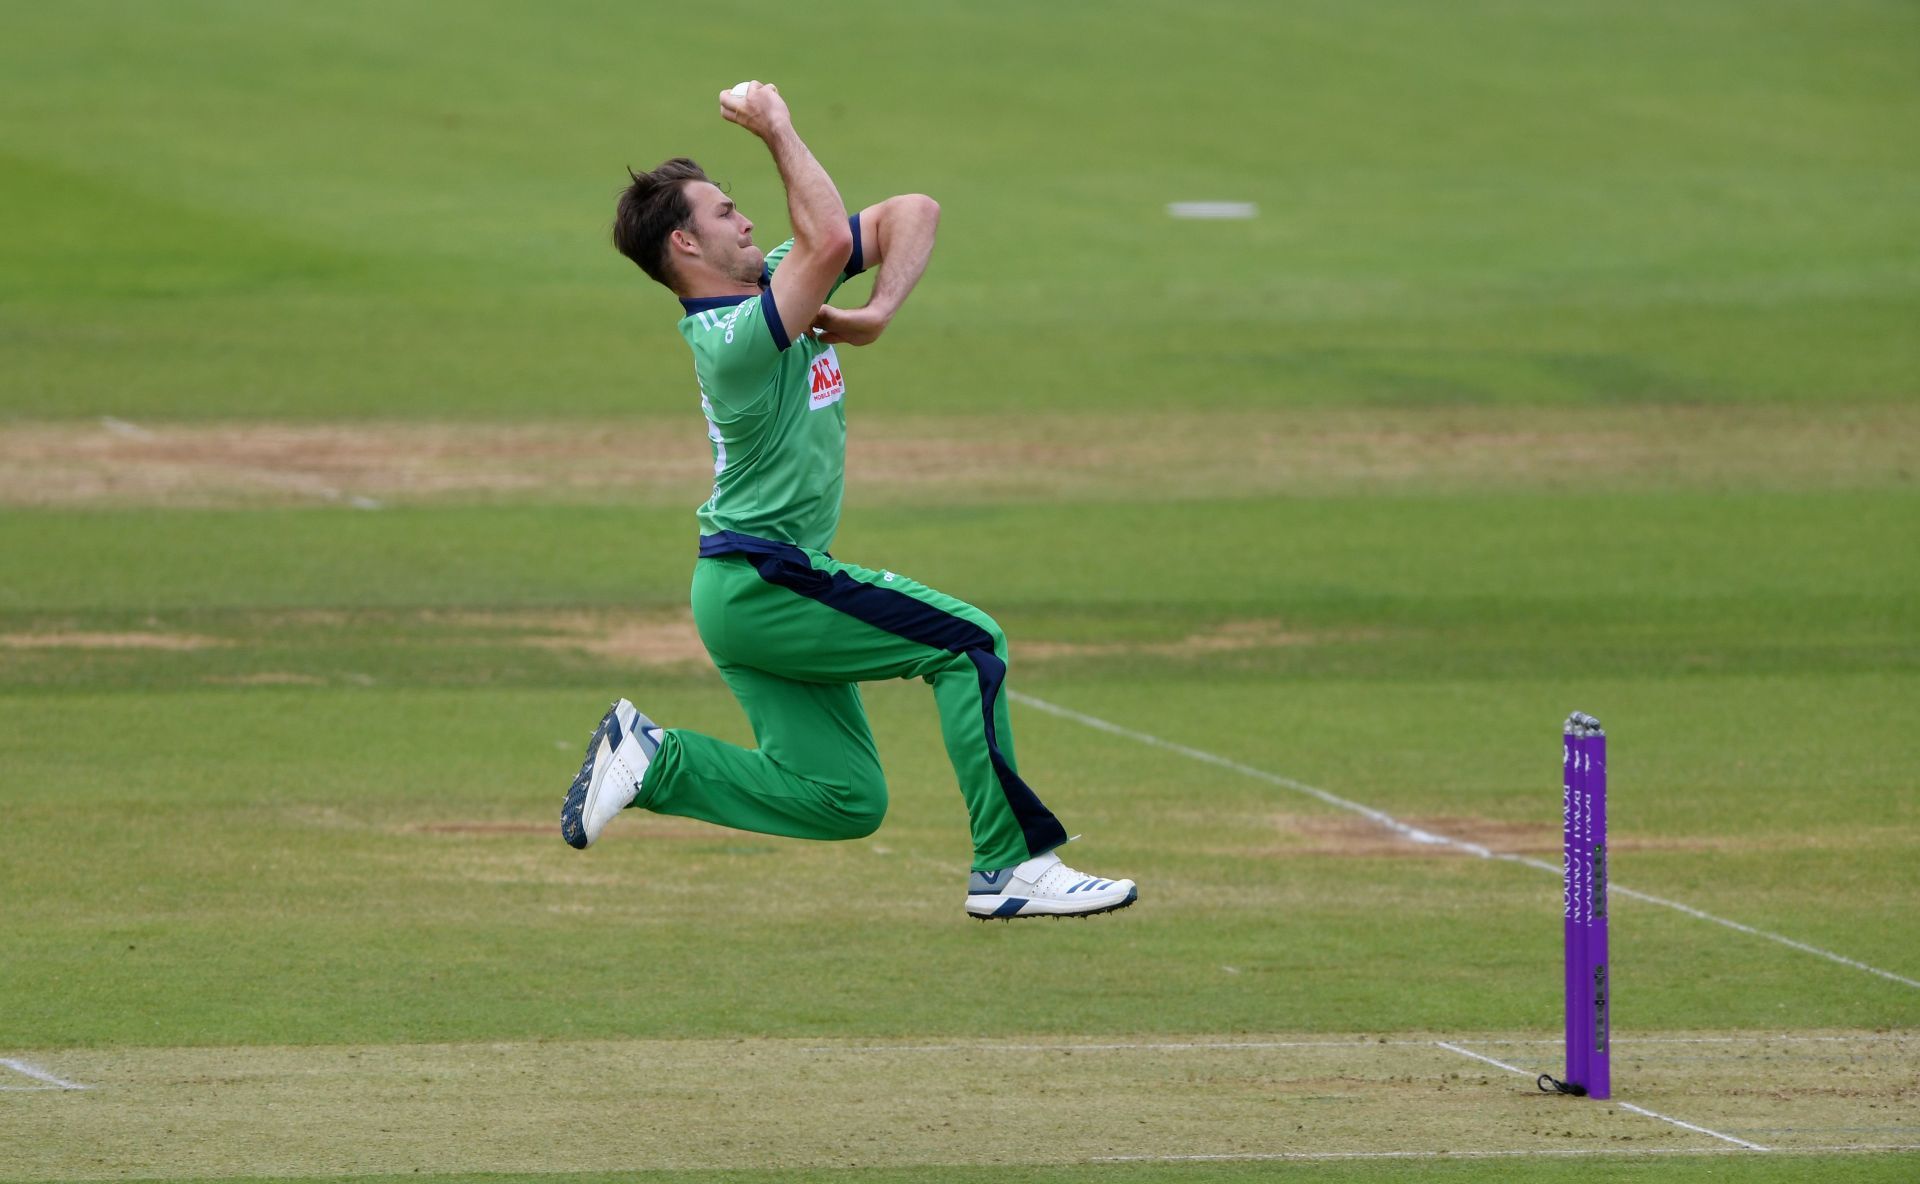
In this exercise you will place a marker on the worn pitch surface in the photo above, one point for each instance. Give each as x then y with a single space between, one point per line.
563 1106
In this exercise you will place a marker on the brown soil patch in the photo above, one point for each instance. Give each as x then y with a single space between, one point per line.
664 460
76 640
1229 637
227 464
650 828
643 641
486 828
671 640
1352 836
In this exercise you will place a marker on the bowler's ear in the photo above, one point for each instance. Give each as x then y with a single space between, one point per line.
683 242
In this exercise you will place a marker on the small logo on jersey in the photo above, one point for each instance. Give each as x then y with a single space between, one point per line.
827 385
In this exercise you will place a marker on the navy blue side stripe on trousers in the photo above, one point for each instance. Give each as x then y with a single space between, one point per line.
903 616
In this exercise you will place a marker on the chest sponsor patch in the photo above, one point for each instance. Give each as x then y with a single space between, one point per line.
825 382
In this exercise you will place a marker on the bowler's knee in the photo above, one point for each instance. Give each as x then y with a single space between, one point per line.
864 807
863 800
993 637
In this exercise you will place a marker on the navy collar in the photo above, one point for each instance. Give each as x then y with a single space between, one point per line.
709 303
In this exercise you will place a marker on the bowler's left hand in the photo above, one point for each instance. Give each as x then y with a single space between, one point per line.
850 326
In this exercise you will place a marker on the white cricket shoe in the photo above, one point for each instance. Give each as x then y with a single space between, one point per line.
609 779
1045 887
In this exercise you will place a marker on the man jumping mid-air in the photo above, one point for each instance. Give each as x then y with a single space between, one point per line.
792 629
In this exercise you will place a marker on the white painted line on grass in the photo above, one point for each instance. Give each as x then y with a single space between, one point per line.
1467 1052
50 1080
121 427
1690 911
1541 1153
1755 1038
1353 1043
1212 209
1123 1046
1688 1125
1414 833
1380 817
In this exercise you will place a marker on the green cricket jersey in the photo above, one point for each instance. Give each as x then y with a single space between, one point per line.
776 415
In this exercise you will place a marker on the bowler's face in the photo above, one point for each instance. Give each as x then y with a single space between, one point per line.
724 234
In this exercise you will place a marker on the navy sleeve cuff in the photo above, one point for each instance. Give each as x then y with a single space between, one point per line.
856 262
780 339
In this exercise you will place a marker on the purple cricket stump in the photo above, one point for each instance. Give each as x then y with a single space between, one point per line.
1584 828
1573 847
1599 1081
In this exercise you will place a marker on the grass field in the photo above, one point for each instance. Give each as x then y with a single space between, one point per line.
346 473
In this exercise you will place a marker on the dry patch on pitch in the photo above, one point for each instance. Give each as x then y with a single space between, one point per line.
544 1107
664 460
615 638
633 639
1345 835
117 463
1226 638
72 639
670 639
268 678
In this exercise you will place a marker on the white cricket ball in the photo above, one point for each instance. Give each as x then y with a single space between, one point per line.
741 89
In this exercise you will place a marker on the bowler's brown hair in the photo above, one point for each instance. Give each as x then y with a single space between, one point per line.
652 208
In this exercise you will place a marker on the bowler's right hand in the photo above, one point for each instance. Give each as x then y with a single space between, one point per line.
761 110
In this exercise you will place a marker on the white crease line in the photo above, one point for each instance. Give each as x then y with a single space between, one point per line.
1703 1130
1212 209
1125 1046
1467 1052
1429 838
38 1074
1785 941
121 427
1756 1038
1543 1153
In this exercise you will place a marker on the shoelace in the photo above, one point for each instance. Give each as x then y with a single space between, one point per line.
1060 877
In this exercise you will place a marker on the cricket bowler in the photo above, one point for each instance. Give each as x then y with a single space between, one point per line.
792 629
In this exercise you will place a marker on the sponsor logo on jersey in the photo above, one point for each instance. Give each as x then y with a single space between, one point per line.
826 385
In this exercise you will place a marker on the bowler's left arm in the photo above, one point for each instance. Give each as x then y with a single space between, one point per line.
895 236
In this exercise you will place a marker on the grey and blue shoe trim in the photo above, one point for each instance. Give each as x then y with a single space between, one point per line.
989 883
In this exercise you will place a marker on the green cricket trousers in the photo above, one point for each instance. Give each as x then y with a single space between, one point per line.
792 631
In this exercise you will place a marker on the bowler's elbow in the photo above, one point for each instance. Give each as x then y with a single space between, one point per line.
833 242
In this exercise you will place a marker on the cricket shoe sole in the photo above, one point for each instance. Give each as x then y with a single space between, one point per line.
622 747
1045 887
1006 908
